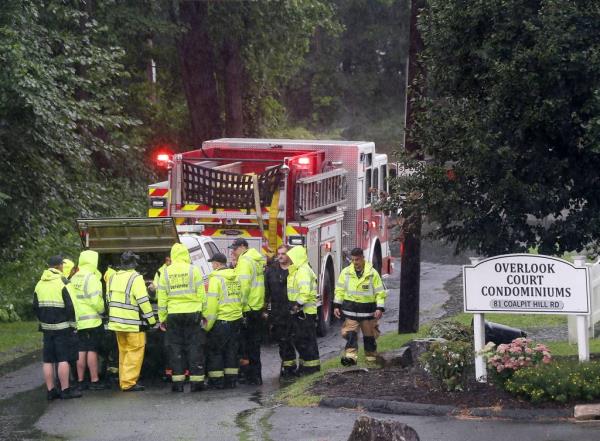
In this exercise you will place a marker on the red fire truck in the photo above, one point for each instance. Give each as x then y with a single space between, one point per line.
279 191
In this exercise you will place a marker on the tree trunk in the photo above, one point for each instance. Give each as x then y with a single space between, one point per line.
410 267
234 81
198 67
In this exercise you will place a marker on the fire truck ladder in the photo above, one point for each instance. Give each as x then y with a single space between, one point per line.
320 192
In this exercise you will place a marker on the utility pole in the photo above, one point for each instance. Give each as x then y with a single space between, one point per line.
410 270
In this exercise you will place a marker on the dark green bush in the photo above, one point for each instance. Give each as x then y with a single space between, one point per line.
451 331
561 381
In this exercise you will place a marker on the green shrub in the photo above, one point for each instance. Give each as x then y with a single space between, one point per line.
449 363
560 381
8 314
451 331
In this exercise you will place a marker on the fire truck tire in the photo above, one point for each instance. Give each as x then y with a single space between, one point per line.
324 312
377 260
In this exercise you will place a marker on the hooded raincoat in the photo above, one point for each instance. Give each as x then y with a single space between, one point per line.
180 286
86 291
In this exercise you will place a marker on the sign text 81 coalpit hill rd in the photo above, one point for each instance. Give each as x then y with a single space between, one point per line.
526 283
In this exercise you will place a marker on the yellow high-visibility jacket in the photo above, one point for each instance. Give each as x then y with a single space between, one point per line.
250 271
180 286
128 303
223 300
52 303
360 297
301 281
86 291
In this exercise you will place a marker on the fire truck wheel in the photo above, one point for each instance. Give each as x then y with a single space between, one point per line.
324 312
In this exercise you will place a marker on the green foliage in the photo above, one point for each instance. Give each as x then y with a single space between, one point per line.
356 79
508 115
449 363
64 137
451 330
561 381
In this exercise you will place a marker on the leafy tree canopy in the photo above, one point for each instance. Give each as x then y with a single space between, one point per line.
60 112
509 122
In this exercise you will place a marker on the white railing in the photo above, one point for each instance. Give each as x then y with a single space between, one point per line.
594 317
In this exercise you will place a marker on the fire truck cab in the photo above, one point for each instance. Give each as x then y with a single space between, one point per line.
318 194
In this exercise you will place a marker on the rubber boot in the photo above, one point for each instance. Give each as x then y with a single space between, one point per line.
177 386
197 387
216 383
230 381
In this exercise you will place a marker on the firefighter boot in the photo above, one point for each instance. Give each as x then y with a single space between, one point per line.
197 387
350 353
216 383
177 386
288 373
230 381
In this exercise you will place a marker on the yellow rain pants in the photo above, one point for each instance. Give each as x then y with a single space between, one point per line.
131 357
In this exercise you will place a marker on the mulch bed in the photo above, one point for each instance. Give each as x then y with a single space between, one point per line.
412 384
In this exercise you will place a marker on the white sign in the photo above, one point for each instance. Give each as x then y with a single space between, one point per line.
526 283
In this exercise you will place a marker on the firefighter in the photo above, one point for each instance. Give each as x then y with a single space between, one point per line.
302 293
53 307
86 291
360 297
250 270
180 302
279 310
129 310
224 319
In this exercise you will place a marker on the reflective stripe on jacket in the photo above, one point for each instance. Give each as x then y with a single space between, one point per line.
223 300
52 303
250 270
128 303
301 281
360 297
180 286
86 291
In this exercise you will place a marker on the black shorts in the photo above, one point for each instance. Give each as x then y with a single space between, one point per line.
60 346
90 339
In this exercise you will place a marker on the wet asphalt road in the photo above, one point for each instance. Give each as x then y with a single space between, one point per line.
245 413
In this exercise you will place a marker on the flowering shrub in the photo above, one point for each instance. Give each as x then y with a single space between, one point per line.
449 363
560 381
505 359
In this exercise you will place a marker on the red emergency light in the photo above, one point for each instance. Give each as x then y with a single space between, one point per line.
163 159
304 160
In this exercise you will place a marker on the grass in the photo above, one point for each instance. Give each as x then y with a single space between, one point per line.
17 339
529 321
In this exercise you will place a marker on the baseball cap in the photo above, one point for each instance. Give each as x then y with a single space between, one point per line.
55 261
239 242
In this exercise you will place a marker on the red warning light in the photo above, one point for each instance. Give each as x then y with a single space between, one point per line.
304 160
162 157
